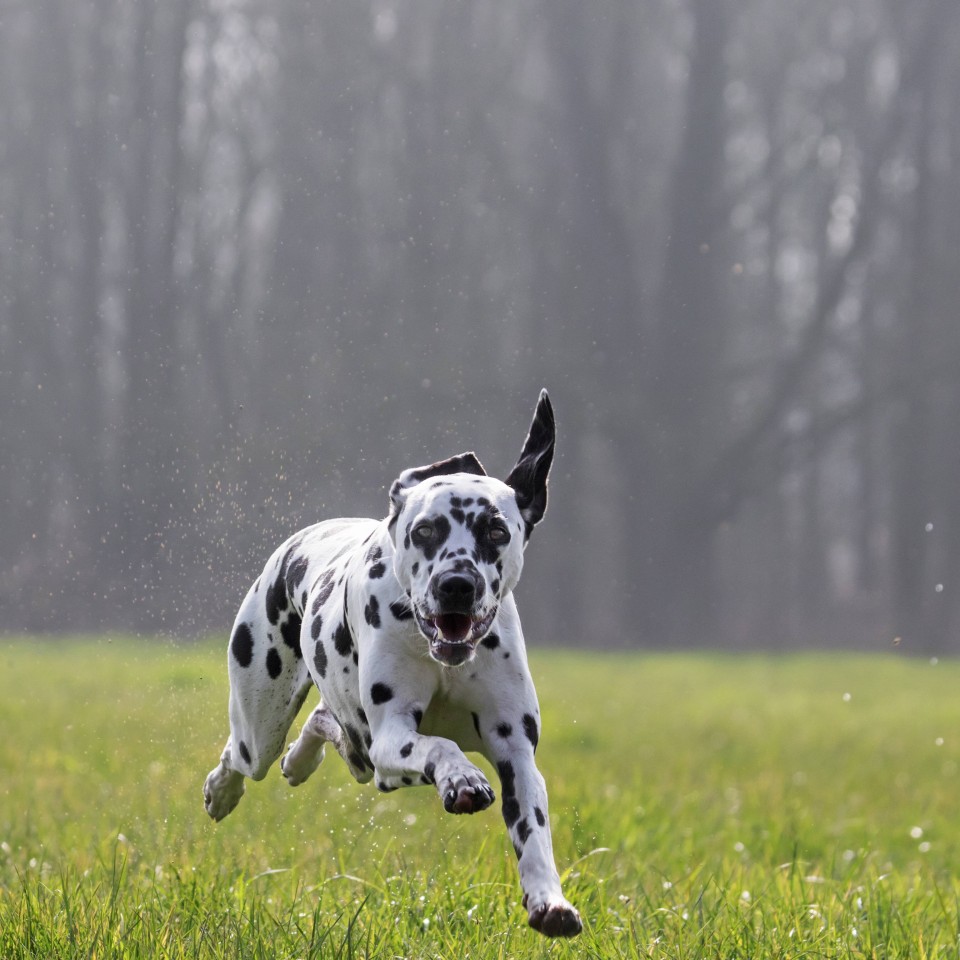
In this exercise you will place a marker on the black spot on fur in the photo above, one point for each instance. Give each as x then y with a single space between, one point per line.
428 771
276 600
495 587
356 761
401 610
476 724
380 693
274 663
244 752
415 569
316 626
457 514
538 813
531 729
359 747
524 830
290 632
406 781
491 641
508 778
324 587
504 730
508 785
241 645
362 716
296 571
417 717
320 658
343 640
378 568
385 788
406 749
371 613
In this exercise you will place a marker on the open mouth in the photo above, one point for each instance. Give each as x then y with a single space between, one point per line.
453 636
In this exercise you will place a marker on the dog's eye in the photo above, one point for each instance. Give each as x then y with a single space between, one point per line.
423 532
498 533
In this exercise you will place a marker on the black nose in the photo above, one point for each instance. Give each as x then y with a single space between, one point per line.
456 591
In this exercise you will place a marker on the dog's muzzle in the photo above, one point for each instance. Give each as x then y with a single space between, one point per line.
455 625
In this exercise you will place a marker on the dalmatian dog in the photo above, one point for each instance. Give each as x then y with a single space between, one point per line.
409 629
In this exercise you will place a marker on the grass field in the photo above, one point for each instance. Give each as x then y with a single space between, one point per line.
702 806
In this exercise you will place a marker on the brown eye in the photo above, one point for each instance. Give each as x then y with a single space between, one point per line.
498 533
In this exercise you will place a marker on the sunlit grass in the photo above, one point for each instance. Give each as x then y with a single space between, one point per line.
702 806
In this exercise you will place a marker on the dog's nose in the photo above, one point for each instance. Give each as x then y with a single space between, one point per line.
456 590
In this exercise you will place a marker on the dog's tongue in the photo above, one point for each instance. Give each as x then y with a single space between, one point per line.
454 626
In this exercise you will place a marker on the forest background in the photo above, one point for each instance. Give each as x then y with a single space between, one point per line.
258 257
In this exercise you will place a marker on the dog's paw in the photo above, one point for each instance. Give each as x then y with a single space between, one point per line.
466 792
298 764
554 919
222 792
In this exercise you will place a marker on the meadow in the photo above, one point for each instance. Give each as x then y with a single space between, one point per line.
702 806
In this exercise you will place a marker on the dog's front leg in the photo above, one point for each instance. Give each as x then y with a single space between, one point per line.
525 813
402 756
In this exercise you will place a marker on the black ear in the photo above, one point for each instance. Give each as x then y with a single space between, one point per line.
463 463
529 477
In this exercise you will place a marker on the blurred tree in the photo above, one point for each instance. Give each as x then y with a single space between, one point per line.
256 257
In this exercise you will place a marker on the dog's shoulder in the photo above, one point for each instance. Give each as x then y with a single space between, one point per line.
377 602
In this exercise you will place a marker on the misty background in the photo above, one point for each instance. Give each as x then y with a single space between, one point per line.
259 256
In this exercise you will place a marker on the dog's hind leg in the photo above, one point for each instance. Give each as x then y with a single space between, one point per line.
268 684
223 787
306 754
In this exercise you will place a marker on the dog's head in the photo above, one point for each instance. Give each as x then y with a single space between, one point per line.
459 537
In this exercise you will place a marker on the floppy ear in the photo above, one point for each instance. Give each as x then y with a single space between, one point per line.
529 477
463 463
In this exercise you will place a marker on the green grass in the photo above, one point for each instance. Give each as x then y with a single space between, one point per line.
702 806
